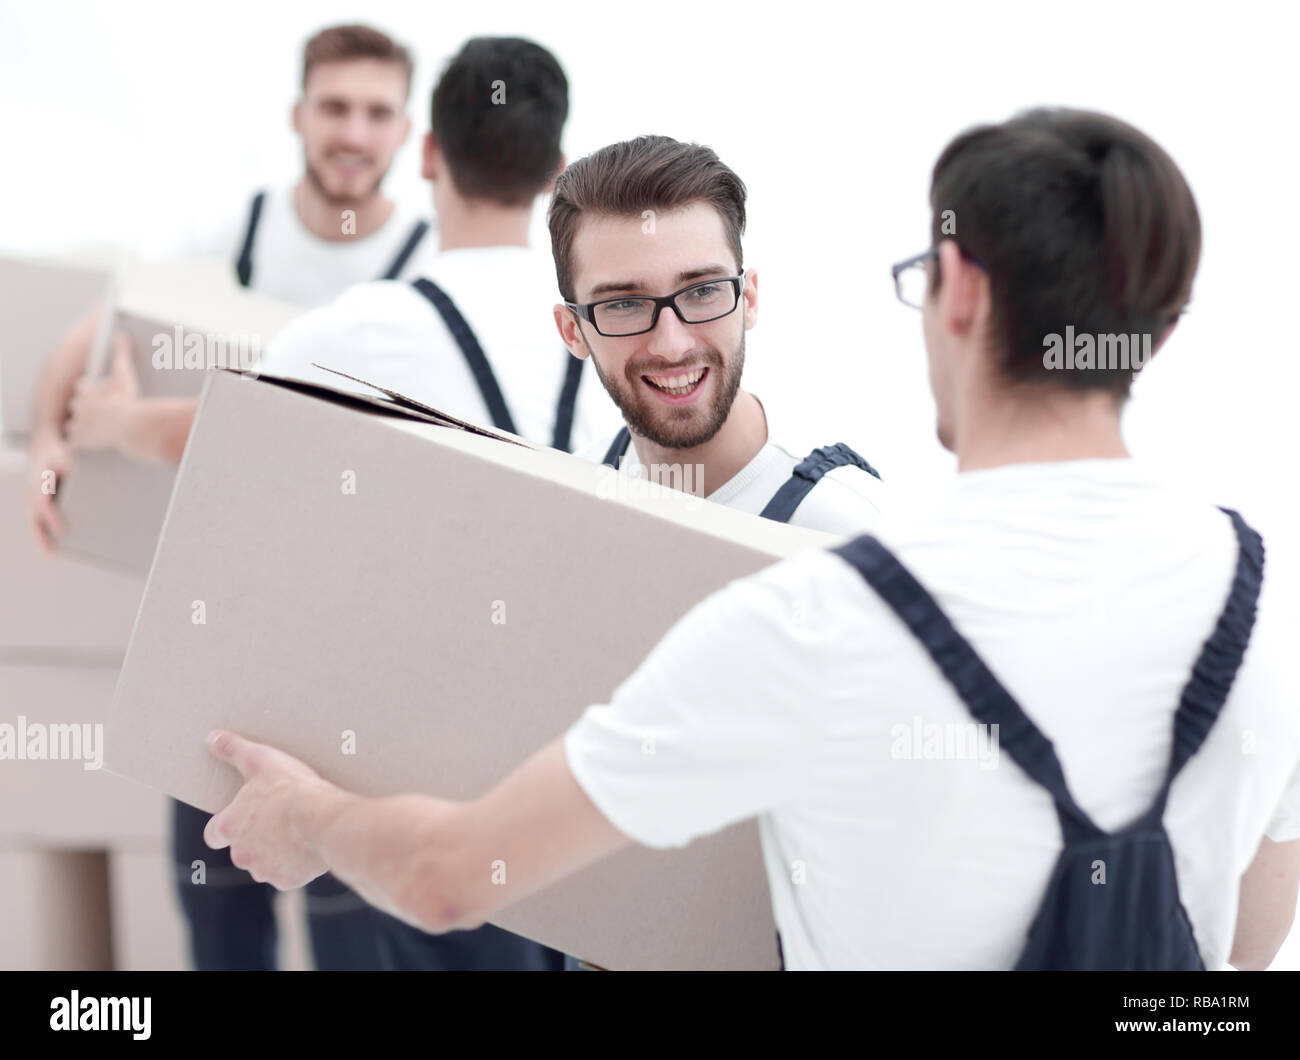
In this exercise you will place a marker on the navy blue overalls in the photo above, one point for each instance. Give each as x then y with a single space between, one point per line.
806 474
479 365
244 261
230 915
1135 919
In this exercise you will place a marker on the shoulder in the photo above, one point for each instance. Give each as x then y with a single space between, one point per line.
386 302
802 616
381 313
469 270
595 451
216 233
847 500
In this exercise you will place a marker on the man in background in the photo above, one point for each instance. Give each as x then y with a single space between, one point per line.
470 335
303 243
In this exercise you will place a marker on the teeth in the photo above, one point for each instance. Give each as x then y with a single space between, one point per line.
677 384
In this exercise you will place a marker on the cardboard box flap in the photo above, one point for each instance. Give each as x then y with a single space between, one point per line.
350 398
419 406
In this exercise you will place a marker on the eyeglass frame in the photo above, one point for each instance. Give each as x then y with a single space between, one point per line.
585 310
897 269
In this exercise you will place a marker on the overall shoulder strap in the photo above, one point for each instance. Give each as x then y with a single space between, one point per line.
408 248
1220 658
807 474
982 693
244 263
472 351
567 405
614 456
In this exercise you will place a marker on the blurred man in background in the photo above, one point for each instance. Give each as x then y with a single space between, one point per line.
304 243
470 336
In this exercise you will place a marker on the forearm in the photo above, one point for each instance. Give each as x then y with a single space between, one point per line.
158 428
440 864
1266 904
403 854
65 364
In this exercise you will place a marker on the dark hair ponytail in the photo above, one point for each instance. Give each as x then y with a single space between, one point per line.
1082 221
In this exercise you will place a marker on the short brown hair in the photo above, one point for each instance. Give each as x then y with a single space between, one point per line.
338 43
648 173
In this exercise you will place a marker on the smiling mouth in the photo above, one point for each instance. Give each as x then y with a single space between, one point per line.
680 384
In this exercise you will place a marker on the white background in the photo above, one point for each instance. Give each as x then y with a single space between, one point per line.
125 122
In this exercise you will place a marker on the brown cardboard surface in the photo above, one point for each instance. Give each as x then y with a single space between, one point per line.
57 802
179 318
39 301
54 608
372 613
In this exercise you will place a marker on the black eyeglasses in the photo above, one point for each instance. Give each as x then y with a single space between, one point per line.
911 279
636 314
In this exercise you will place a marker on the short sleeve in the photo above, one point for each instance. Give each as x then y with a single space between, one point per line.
1284 825
718 724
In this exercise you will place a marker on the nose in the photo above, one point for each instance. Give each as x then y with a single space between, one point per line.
354 130
670 339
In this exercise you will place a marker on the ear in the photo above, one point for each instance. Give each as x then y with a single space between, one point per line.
963 297
429 157
566 323
749 293
295 117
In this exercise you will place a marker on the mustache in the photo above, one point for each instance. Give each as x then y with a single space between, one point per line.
634 370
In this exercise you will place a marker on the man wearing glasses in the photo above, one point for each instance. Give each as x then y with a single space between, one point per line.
646 238
1057 573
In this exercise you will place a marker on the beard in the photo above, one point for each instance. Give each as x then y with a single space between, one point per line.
340 201
679 426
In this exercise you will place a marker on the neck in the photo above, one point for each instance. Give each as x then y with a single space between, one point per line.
323 216
1042 426
718 460
477 223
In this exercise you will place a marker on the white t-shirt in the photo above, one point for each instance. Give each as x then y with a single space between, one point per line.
295 265
793 695
846 500
388 333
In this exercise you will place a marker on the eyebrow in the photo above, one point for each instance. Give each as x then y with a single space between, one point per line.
683 279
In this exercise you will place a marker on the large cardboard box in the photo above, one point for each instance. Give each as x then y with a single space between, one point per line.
336 575
54 791
40 298
55 610
181 319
